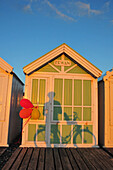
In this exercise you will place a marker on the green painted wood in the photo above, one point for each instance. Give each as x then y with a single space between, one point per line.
77 134
58 89
86 114
58 67
77 70
34 96
68 113
88 137
42 91
41 110
67 92
47 68
67 67
77 92
87 92
66 134
77 113
57 113
31 131
41 133
55 134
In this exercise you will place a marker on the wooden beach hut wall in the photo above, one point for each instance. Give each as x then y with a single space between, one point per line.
105 95
11 92
64 84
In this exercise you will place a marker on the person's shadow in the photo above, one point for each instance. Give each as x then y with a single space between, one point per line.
53 112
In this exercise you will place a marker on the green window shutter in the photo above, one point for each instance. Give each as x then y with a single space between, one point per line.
55 134
77 134
88 134
68 113
31 132
86 114
77 114
58 87
87 92
34 96
57 113
66 134
41 133
67 92
42 91
78 92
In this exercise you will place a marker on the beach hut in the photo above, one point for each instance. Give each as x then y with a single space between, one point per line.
64 85
105 94
11 92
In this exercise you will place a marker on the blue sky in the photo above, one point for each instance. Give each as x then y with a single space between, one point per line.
31 28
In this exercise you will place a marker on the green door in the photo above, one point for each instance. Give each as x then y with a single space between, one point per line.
71 110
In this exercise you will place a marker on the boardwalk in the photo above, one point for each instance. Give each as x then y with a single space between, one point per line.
59 158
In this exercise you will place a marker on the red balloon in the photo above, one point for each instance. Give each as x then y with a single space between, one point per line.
25 113
26 103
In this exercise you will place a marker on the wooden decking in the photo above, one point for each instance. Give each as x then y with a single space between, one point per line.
59 158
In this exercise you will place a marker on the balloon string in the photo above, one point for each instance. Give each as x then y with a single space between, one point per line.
22 129
25 123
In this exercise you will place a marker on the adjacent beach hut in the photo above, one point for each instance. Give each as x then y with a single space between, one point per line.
105 89
64 84
11 92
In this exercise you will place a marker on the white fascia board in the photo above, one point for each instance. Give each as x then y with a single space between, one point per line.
108 75
96 72
54 53
42 60
5 66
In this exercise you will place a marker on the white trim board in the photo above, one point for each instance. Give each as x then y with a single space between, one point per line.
64 48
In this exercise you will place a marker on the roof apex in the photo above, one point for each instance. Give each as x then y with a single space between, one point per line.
5 66
63 48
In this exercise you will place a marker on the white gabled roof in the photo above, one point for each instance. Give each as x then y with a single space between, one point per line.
5 66
64 48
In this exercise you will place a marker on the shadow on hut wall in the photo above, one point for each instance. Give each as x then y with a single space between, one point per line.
55 135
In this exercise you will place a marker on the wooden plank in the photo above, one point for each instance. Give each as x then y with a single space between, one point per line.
64 159
49 161
12 159
25 161
18 162
71 159
85 157
78 159
57 161
93 158
105 157
41 159
34 159
2 150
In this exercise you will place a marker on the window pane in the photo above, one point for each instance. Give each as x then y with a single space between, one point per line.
87 92
77 114
41 133
42 91
58 86
34 95
41 110
66 134
68 92
67 113
77 134
88 135
78 92
57 114
31 132
86 114
55 134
